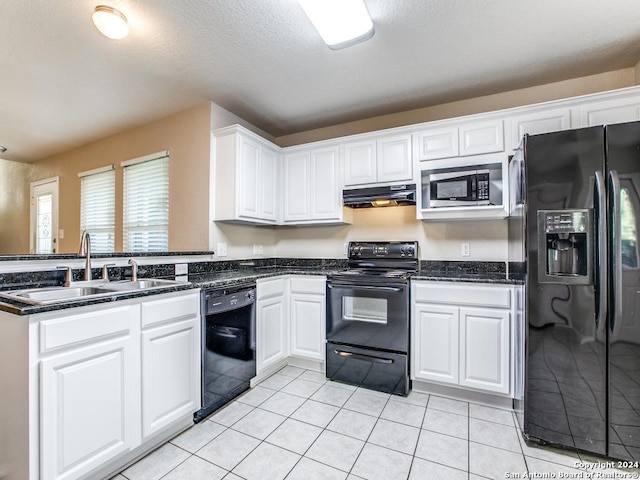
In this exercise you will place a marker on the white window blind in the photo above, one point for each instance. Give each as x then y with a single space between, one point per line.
98 207
146 205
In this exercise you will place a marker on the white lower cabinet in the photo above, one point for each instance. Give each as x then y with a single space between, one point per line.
462 335
307 303
485 349
90 408
170 374
290 319
103 380
271 323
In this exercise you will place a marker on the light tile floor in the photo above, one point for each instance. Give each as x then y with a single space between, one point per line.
298 426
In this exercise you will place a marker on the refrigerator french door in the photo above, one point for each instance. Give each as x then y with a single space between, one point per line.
581 211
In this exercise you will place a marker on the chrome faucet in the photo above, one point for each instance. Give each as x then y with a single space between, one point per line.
85 249
134 269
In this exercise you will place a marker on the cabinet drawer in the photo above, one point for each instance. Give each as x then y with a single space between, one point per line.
305 284
86 326
270 288
456 294
171 308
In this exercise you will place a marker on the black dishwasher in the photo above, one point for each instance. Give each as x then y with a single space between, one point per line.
228 345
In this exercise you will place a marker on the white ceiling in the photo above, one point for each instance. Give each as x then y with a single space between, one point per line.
62 84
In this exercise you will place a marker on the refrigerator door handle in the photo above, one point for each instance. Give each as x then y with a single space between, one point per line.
616 247
601 259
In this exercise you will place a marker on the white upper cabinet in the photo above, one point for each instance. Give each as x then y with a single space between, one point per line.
394 161
437 143
312 192
465 139
538 122
360 162
605 112
245 177
481 137
378 160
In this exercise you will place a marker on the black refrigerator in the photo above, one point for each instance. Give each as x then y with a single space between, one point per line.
575 199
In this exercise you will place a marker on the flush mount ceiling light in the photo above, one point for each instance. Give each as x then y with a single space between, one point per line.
340 23
110 22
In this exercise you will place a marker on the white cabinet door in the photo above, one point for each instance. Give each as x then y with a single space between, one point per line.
606 112
435 337
359 162
248 189
325 184
480 138
394 161
437 143
170 374
89 407
307 316
268 188
539 122
296 189
272 332
484 349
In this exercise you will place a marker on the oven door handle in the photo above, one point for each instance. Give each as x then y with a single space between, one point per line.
362 356
363 287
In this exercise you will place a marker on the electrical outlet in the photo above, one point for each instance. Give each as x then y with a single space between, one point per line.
222 249
465 250
181 269
256 249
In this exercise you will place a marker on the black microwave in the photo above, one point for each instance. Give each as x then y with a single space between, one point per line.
461 188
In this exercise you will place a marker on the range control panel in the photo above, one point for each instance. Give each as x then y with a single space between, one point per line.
383 250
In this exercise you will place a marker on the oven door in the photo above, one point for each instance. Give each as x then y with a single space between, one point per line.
369 314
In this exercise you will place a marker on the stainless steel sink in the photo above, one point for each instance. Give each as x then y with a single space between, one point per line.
83 290
142 284
38 296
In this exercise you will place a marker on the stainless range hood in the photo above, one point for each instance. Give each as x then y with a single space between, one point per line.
386 196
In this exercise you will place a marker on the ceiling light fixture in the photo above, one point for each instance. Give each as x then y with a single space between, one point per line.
340 23
110 22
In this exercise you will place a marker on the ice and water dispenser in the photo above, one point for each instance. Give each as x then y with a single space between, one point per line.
565 240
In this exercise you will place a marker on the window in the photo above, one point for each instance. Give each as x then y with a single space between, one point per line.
98 207
146 204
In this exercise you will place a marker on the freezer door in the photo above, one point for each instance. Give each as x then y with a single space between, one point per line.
623 161
565 379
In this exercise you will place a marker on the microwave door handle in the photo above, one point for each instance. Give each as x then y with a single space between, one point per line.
600 254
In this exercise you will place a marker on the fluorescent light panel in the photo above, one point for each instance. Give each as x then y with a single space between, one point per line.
340 23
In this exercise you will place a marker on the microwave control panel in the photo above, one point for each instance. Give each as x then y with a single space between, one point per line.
483 186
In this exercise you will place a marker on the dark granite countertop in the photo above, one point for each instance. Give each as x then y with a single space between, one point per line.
224 273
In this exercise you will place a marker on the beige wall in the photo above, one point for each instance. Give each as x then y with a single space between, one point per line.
186 135
14 206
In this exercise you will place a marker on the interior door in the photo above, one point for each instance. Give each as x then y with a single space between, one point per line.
43 237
